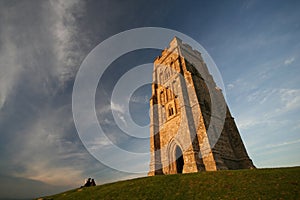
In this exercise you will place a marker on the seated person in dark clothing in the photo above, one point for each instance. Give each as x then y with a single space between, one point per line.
93 183
88 183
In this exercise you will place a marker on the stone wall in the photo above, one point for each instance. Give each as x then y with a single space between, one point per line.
186 113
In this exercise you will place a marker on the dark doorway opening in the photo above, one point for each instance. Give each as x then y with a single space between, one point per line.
179 160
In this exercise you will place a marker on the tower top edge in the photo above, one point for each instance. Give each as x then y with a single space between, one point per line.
176 42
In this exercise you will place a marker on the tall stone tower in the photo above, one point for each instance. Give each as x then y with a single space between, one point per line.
191 128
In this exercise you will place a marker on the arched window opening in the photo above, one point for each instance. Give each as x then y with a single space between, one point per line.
179 160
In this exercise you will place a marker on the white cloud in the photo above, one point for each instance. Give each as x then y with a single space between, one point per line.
139 99
119 113
290 99
289 61
247 123
117 107
31 51
261 96
283 144
269 104
64 30
107 108
230 86
9 65
122 118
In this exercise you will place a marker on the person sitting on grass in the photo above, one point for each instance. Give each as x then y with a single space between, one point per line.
93 183
89 182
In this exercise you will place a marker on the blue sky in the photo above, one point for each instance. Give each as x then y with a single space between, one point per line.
255 45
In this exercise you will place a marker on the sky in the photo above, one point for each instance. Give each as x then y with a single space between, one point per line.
255 45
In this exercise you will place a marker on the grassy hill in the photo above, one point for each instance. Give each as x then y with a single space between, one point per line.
280 183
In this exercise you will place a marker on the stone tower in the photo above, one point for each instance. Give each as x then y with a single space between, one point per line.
191 128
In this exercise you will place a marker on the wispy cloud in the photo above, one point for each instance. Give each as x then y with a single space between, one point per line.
48 153
53 51
289 61
10 65
10 68
283 144
117 107
270 104
104 108
230 86
35 64
65 30
261 96
139 99
290 99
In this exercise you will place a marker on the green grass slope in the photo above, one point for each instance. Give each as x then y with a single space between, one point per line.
281 183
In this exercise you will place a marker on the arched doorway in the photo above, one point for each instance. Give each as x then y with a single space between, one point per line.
179 160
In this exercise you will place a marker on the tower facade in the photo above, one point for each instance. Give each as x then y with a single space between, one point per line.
191 128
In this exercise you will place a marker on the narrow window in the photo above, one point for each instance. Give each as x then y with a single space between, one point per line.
162 98
170 110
